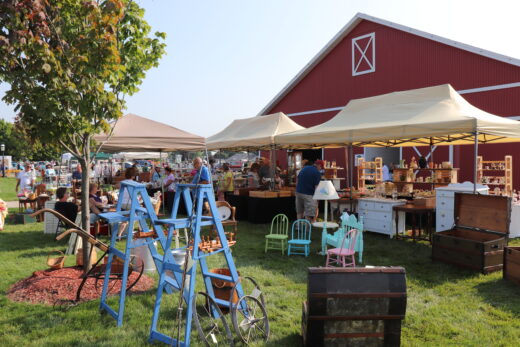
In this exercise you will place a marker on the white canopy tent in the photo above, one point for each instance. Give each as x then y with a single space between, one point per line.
419 117
140 155
139 134
252 133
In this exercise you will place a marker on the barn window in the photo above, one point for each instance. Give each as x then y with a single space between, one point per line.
364 54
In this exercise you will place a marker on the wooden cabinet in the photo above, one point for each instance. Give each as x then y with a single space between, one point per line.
378 215
369 171
497 174
480 233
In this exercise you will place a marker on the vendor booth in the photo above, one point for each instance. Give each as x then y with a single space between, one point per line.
430 116
138 134
257 133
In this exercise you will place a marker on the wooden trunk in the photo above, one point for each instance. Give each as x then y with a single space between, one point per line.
480 234
512 264
354 306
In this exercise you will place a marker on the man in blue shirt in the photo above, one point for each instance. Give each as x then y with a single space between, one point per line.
202 171
308 179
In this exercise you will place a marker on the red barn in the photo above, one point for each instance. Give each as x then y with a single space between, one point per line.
371 56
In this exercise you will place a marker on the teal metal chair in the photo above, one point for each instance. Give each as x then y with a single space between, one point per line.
348 222
300 242
278 235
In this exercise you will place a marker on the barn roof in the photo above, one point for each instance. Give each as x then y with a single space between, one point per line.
351 25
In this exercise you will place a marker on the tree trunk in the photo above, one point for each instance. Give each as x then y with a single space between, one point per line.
85 210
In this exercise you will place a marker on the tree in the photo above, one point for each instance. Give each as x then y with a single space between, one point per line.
21 146
70 63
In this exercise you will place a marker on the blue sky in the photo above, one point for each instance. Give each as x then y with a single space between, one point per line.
227 59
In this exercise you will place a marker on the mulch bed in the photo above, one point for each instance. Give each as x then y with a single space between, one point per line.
49 287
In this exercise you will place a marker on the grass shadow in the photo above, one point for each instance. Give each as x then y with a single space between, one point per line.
287 340
17 241
502 294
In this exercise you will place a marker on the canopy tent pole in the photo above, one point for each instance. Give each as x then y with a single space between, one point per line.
475 164
350 164
162 184
209 167
431 150
273 168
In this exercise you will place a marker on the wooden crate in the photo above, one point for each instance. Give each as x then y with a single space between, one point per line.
263 194
512 264
354 306
480 234
285 193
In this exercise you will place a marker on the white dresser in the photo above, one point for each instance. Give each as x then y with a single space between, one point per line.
379 216
445 202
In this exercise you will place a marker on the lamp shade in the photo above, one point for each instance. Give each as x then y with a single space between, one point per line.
325 191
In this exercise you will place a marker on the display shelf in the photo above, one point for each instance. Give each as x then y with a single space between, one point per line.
369 170
504 166
439 177
332 172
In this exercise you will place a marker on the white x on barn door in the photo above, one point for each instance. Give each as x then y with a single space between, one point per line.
364 54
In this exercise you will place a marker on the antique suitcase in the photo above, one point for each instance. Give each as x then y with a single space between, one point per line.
512 264
354 306
479 235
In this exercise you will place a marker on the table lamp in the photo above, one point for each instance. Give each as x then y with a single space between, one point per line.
325 191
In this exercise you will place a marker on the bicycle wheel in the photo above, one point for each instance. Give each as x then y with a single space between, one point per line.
250 319
210 322
249 287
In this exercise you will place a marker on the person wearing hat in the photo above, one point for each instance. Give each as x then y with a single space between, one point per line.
308 179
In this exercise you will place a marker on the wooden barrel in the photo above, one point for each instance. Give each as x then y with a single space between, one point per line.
354 306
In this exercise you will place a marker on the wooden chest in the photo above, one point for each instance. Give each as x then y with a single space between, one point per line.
354 306
479 235
512 264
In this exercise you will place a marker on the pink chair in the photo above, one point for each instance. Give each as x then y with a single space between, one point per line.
338 255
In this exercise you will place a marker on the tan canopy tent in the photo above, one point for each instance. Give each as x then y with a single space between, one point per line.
252 133
419 117
139 134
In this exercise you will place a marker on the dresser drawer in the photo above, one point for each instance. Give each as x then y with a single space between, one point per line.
365 205
378 226
444 194
444 220
383 207
445 203
379 216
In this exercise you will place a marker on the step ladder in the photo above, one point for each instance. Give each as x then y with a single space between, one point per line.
202 193
144 216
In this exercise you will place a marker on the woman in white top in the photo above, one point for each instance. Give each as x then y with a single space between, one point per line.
169 182
129 176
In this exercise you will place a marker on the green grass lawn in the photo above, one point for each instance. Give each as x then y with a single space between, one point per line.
447 306
7 189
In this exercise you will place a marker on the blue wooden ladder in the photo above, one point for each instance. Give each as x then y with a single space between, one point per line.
202 193
144 216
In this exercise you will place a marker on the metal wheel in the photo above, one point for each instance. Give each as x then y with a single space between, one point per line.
249 287
210 321
250 319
